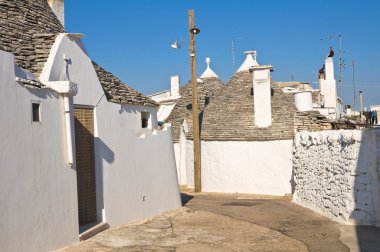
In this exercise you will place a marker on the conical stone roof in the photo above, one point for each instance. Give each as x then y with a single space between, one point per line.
230 115
28 30
117 91
207 89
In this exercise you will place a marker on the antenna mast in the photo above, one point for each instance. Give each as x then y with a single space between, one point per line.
340 72
233 54
233 50
353 82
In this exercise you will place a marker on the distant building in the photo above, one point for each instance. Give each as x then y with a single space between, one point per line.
330 104
246 128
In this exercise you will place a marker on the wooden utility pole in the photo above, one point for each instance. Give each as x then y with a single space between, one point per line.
196 141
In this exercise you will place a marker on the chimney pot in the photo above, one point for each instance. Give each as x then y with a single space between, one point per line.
174 86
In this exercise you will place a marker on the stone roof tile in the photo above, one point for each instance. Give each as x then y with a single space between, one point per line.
183 108
28 30
117 91
230 116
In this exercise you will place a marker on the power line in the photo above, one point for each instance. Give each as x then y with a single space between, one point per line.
376 85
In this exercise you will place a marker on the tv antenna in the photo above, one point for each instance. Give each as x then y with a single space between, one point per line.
353 82
233 50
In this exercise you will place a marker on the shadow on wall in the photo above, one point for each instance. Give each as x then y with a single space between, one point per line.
367 191
128 109
292 183
101 152
43 93
336 173
201 113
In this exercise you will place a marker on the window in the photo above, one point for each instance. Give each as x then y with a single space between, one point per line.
145 120
36 112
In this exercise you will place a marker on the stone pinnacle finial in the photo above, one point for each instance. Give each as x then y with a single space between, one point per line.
249 62
208 72
208 61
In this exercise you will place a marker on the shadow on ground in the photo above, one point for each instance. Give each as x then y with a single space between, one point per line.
318 233
185 198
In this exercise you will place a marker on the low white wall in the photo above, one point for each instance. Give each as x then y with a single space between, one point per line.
38 196
138 175
243 167
336 173
180 157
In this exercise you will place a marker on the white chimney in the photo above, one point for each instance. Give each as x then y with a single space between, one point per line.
58 7
329 85
174 86
262 95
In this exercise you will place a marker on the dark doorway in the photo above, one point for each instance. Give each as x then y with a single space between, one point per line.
85 164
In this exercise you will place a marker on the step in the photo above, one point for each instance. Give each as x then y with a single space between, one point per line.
92 229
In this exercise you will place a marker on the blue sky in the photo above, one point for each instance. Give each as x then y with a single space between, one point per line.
132 39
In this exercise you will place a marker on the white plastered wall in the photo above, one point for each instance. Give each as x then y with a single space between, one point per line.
180 156
243 166
139 173
38 196
135 175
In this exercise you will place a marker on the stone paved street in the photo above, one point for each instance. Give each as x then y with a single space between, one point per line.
230 222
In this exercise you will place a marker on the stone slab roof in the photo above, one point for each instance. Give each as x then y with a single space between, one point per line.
28 30
230 116
118 92
183 109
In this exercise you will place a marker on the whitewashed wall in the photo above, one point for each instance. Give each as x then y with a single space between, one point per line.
38 196
180 156
243 167
138 173
336 173
135 177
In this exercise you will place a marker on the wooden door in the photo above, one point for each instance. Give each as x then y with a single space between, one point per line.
85 164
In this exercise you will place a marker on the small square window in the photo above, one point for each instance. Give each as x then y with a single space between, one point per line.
145 120
36 112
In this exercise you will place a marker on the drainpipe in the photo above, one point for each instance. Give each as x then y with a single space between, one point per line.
67 89
66 102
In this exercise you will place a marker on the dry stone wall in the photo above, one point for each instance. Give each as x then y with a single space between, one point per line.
336 173
311 121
